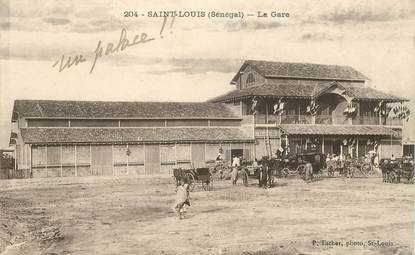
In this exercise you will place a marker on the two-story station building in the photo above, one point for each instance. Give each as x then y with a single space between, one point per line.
326 107
329 108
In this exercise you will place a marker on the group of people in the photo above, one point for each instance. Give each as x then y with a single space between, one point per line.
183 192
236 164
340 159
334 161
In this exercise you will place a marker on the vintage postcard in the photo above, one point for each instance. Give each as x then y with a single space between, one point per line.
207 127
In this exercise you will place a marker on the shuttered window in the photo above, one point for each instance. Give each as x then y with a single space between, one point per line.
47 123
94 123
142 123
187 123
167 154
39 156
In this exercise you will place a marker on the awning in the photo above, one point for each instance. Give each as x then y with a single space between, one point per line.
317 129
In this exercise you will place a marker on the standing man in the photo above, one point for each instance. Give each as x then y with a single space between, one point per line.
308 171
219 157
236 162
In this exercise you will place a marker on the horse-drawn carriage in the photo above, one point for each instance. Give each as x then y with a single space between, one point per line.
295 165
194 175
350 167
393 170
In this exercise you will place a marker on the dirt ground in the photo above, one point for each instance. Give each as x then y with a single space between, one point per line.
110 215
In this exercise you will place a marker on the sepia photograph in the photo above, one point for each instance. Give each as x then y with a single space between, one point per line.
207 127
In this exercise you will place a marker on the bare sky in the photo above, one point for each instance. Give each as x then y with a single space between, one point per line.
197 57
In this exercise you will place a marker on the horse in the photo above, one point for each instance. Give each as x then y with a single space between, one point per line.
388 171
266 172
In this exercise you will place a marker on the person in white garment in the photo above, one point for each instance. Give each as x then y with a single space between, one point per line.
236 162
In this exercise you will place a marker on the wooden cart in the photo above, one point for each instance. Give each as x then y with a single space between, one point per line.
200 175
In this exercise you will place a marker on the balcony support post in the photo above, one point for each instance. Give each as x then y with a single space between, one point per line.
266 111
357 147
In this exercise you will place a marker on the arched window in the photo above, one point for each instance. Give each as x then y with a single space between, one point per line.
250 78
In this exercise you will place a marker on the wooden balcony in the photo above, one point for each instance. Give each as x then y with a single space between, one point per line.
392 122
285 119
296 119
319 119
366 120
324 119
375 120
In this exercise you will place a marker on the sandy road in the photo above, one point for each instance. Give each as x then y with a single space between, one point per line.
110 215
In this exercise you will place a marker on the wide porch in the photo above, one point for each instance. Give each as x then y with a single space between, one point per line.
355 141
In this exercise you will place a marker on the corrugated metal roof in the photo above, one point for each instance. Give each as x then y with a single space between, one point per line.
295 129
110 135
101 109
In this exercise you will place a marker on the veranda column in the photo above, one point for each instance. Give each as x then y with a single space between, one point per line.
128 156
30 161
46 162
266 112
61 156
76 164
357 147
112 152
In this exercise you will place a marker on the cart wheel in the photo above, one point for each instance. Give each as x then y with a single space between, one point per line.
365 169
353 171
210 184
207 185
301 169
192 181
285 172
219 175
330 171
245 178
271 181
411 176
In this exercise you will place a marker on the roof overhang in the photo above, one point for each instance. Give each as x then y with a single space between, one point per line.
314 78
134 135
309 92
238 74
344 130
149 118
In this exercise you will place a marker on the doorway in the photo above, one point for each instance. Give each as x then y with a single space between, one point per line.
237 152
337 147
